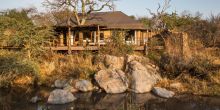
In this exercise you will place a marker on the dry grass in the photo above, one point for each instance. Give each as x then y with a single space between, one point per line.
199 75
16 70
200 87
67 67
167 83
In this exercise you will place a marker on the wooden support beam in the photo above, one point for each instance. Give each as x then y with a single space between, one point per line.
98 36
61 39
81 38
94 37
68 40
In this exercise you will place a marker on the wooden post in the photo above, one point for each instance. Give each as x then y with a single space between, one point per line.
135 37
98 36
94 37
145 49
74 38
61 39
68 40
71 39
81 38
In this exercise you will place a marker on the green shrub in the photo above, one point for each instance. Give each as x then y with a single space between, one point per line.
13 66
116 45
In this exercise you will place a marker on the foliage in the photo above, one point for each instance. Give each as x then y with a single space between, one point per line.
18 30
146 21
207 31
116 45
13 66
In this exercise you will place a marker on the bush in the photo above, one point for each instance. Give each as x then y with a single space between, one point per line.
198 67
116 45
12 66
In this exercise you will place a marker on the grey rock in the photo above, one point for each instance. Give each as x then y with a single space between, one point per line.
84 85
112 81
114 62
164 93
130 58
142 79
59 96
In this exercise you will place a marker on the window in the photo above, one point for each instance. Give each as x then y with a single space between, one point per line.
129 38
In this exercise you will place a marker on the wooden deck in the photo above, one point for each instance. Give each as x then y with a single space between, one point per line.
81 48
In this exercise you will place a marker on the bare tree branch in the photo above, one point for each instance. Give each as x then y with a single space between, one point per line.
157 16
84 7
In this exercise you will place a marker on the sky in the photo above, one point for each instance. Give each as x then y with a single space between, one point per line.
134 7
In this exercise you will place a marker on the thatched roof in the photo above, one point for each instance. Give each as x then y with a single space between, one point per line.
111 20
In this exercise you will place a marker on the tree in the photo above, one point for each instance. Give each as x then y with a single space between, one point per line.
214 29
157 17
18 30
117 44
80 9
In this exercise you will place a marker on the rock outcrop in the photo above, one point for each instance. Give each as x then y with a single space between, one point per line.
142 79
162 92
130 58
112 80
59 96
113 62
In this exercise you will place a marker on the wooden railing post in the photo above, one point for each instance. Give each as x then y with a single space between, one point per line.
68 40
61 40
81 38
98 36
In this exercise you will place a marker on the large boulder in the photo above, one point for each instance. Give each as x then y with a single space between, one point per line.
59 96
142 79
163 92
112 81
130 58
143 60
114 62
84 85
